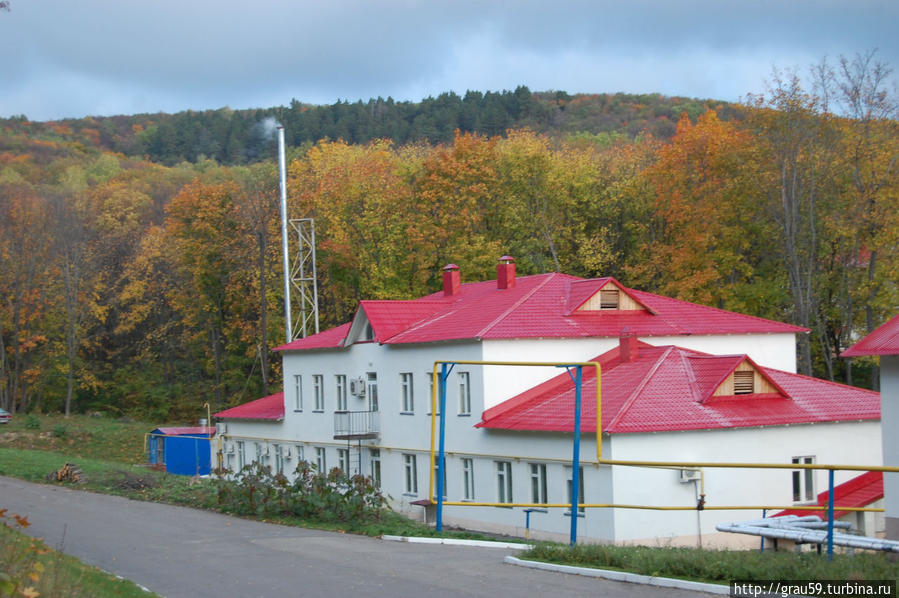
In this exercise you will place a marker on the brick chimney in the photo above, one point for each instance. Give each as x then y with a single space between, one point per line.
451 280
505 272
628 347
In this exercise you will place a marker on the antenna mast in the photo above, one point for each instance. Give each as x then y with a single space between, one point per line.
302 274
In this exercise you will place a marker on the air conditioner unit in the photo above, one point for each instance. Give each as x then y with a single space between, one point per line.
688 475
357 387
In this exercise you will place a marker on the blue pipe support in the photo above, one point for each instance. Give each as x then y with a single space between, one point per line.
576 456
445 370
830 515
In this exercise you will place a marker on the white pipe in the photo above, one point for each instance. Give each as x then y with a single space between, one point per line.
771 528
284 251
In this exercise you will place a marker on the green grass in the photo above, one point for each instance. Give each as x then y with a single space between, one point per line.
718 566
78 436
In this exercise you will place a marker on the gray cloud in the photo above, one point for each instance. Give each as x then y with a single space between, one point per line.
111 57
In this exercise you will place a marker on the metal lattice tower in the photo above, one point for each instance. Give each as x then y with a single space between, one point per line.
303 278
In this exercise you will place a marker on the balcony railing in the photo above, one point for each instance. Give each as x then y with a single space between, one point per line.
357 425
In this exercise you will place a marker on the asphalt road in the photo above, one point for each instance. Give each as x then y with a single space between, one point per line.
176 551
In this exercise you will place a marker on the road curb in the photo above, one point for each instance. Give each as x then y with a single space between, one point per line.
457 542
662 582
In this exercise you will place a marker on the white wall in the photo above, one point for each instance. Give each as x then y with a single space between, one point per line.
889 408
846 443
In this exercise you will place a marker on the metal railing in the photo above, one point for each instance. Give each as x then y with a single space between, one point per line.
357 424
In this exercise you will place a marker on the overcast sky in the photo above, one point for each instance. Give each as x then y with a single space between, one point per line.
104 57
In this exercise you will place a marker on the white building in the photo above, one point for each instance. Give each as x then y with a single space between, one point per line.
884 341
680 382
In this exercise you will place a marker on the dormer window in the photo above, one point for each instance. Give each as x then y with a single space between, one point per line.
744 382
368 333
608 299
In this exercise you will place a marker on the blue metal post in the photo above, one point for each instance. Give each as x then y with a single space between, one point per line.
830 515
762 547
441 456
576 457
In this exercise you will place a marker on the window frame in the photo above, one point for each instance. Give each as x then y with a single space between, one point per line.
464 393
804 480
504 492
340 390
298 392
374 457
407 391
410 474
318 392
321 459
581 491
538 483
467 478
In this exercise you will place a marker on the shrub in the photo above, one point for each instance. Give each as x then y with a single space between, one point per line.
60 430
315 496
32 422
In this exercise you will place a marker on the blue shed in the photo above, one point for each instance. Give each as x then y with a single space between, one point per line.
183 451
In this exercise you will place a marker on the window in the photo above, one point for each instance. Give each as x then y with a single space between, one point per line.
411 471
406 389
258 446
503 481
608 299
580 488
279 458
298 392
804 481
318 391
464 394
343 460
468 479
538 482
368 333
320 462
241 455
437 473
429 376
300 454
744 382
340 386
372 391
375 455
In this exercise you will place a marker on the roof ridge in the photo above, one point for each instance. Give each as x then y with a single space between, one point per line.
646 378
691 377
505 313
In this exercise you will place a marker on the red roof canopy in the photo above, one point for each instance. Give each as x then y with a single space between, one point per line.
267 408
883 341
539 306
669 388
860 491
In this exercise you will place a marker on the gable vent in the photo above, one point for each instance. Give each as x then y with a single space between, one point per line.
744 383
608 299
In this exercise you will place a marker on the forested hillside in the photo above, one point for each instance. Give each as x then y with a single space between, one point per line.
139 255
233 137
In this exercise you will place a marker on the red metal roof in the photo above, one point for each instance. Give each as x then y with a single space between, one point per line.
185 431
539 306
860 491
883 341
670 388
267 408
331 338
